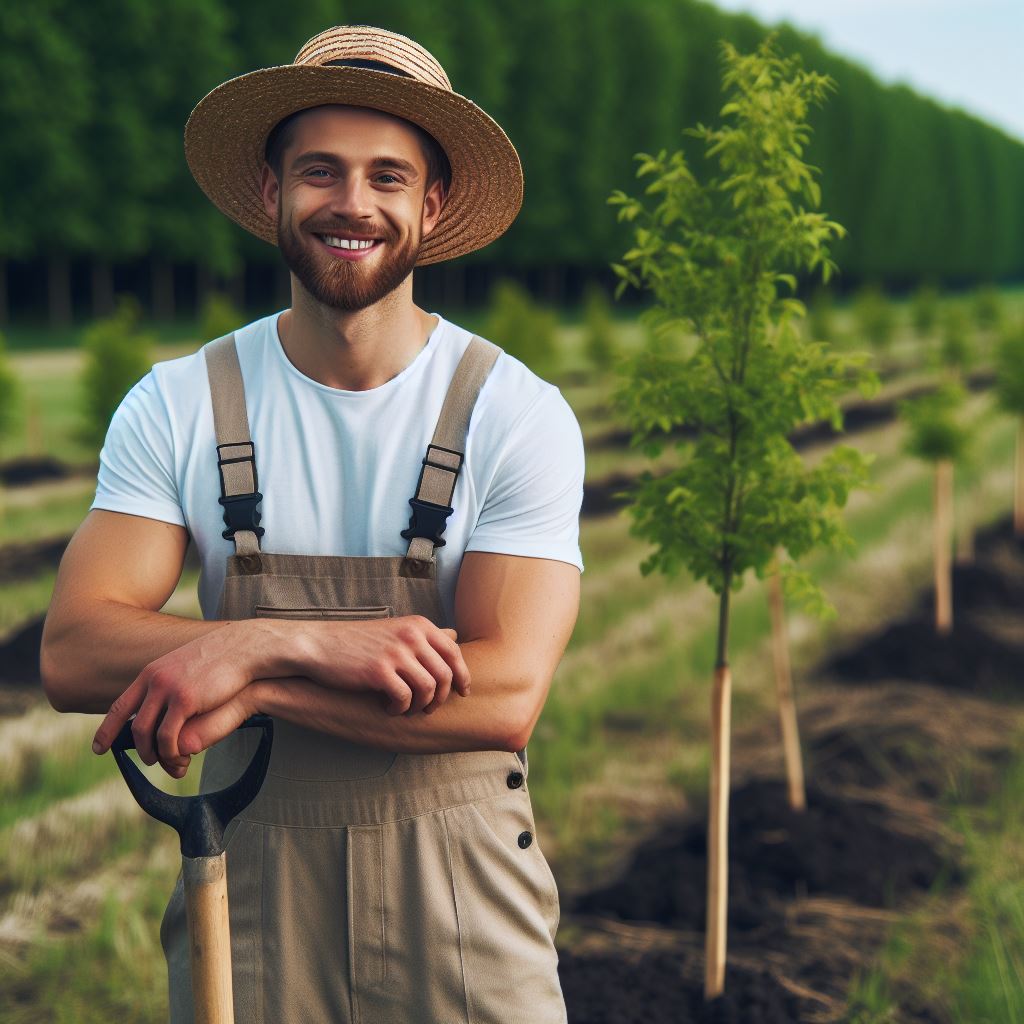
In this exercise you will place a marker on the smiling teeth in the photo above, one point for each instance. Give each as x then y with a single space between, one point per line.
346 243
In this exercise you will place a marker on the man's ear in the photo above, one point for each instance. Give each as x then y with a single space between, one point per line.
433 204
270 190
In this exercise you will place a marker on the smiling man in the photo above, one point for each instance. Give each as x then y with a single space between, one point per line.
401 502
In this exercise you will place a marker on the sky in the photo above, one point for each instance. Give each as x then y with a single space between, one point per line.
963 53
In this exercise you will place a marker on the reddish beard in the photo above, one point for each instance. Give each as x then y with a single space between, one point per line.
345 284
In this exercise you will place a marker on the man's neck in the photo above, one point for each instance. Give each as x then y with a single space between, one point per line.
354 351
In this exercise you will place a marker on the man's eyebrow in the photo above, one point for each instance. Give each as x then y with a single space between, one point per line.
329 158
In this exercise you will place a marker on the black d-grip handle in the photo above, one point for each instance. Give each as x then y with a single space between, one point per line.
199 820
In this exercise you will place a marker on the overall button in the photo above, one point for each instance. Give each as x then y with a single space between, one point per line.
525 839
514 780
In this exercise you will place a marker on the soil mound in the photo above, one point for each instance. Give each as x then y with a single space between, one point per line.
654 989
839 847
969 658
23 560
19 655
30 469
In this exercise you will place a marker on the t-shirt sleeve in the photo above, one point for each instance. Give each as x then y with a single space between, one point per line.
532 506
136 473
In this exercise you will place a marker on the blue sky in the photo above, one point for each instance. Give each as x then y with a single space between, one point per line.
964 53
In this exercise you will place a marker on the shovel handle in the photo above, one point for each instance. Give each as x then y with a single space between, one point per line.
206 911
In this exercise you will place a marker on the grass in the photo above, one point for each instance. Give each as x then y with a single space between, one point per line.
968 968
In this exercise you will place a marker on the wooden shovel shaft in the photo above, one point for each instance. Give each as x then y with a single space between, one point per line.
206 908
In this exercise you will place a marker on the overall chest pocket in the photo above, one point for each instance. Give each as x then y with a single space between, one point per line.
375 611
304 754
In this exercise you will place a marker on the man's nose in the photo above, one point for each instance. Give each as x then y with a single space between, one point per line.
352 196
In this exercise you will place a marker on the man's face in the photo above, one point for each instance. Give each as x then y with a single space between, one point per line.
332 188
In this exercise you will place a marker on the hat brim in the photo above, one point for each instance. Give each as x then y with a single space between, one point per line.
226 134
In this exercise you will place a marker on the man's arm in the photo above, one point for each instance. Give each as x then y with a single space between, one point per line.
515 615
106 647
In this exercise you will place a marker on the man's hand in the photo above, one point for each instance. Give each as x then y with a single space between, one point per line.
414 663
411 661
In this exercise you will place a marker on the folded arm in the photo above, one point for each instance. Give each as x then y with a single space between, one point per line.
513 615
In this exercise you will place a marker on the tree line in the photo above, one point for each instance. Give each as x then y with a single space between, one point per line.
94 98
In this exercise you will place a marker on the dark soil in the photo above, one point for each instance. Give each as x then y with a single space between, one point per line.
802 886
653 989
836 847
19 654
22 561
969 658
31 469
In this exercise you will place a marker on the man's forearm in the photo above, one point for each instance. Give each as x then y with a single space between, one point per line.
493 717
87 663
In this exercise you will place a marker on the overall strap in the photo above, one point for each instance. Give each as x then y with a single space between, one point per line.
236 454
432 504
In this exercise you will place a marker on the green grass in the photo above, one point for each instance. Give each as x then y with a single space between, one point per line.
57 515
970 972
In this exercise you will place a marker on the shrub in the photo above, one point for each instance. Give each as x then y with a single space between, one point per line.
218 317
117 356
521 328
875 316
924 309
599 328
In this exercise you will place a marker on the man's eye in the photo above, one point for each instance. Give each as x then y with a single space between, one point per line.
391 176
317 170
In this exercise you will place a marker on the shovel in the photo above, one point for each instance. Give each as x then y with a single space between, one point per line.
200 821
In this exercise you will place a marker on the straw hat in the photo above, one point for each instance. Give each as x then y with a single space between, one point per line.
367 67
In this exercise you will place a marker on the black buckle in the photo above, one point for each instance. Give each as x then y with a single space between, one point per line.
428 521
240 513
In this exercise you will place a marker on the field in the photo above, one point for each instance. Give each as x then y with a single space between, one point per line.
892 898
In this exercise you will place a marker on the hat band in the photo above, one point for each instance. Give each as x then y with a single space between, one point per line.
373 65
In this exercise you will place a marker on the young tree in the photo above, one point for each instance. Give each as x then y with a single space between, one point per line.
599 329
714 254
522 328
936 435
924 309
1010 396
875 316
117 356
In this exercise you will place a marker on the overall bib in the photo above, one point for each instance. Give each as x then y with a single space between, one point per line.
368 886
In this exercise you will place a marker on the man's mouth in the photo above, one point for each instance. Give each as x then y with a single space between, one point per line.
349 244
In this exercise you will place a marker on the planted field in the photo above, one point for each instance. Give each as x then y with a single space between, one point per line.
906 740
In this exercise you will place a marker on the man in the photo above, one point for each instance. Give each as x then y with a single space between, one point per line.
387 870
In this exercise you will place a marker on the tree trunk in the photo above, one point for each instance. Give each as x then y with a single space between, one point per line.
454 285
282 287
102 288
236 289
943 545
5 298
59 290
204 285
161 278
784 689
1018 490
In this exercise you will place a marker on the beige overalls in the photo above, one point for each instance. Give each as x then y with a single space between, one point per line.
367 886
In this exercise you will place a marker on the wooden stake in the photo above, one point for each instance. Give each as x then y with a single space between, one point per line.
943 542
718 834
784 689
206 910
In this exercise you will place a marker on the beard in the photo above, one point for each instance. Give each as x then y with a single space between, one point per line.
345 284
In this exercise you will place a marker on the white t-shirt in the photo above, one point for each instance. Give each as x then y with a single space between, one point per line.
337 468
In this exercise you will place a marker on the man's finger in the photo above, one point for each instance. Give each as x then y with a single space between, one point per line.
202 731
167 734
120 711
452 653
